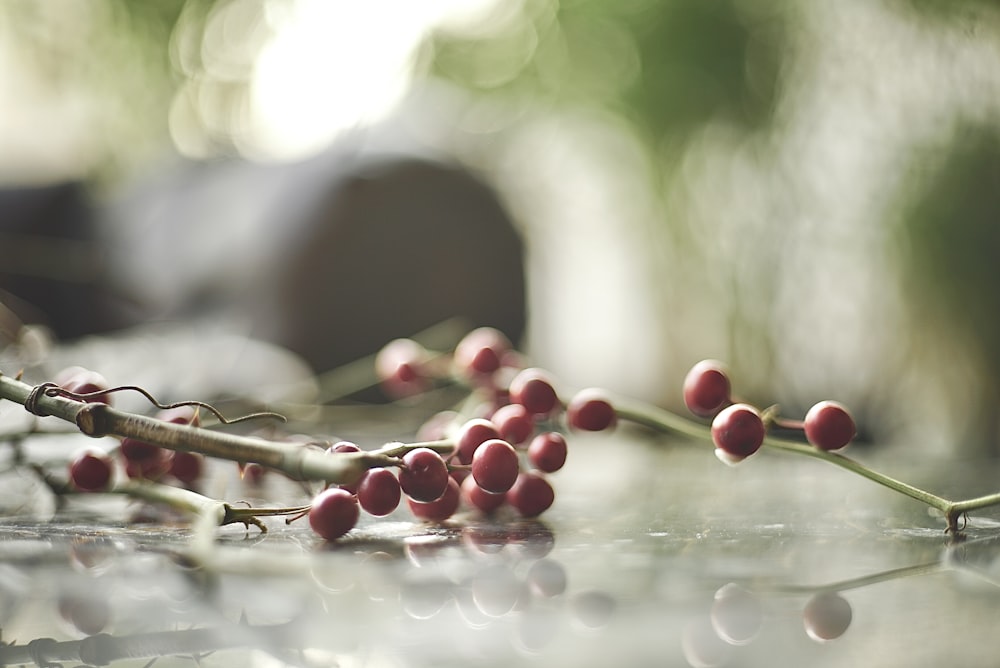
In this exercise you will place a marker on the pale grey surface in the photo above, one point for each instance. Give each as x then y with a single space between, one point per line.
644 533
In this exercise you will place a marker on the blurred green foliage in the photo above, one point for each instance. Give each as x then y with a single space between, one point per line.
951 255
668 66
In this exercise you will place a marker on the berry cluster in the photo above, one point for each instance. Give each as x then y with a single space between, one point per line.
499 458
497 454
92 470
738 429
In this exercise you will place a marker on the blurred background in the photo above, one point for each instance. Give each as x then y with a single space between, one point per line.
807 191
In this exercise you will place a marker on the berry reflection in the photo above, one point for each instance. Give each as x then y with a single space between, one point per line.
827 616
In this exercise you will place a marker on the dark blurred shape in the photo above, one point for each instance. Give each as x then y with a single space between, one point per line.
52 270
394 248
952 244
332 257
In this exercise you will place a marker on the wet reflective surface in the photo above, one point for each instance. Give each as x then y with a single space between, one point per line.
653 554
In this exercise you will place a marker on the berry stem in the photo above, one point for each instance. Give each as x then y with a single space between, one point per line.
98 420
665 421
185 500
960 507
855 466
788 423
178 498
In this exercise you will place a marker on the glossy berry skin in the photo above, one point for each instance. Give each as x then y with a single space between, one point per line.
480 353
424 475
590 410
495 466
738 430
474 433
478 498
547 451
440 509
91 471
829 425
707 388
531 495
533 389
514 423
379 492
334 512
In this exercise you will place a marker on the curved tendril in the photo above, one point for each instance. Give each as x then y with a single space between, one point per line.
53 390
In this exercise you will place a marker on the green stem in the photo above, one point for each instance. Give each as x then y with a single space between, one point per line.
664 421
177 498
854 466
959 507
212 511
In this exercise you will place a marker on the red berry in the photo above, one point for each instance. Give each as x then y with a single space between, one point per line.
706 388
829 425
344 447
514 423
480 499
253 473
424 476
84 381
379 492
590 410
533 389
440 509
91 471
495 466
152 468
547 451
738 431
400 366
187 466
531 495
474 433
144 460
478 355
138 451
827 616
334 512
